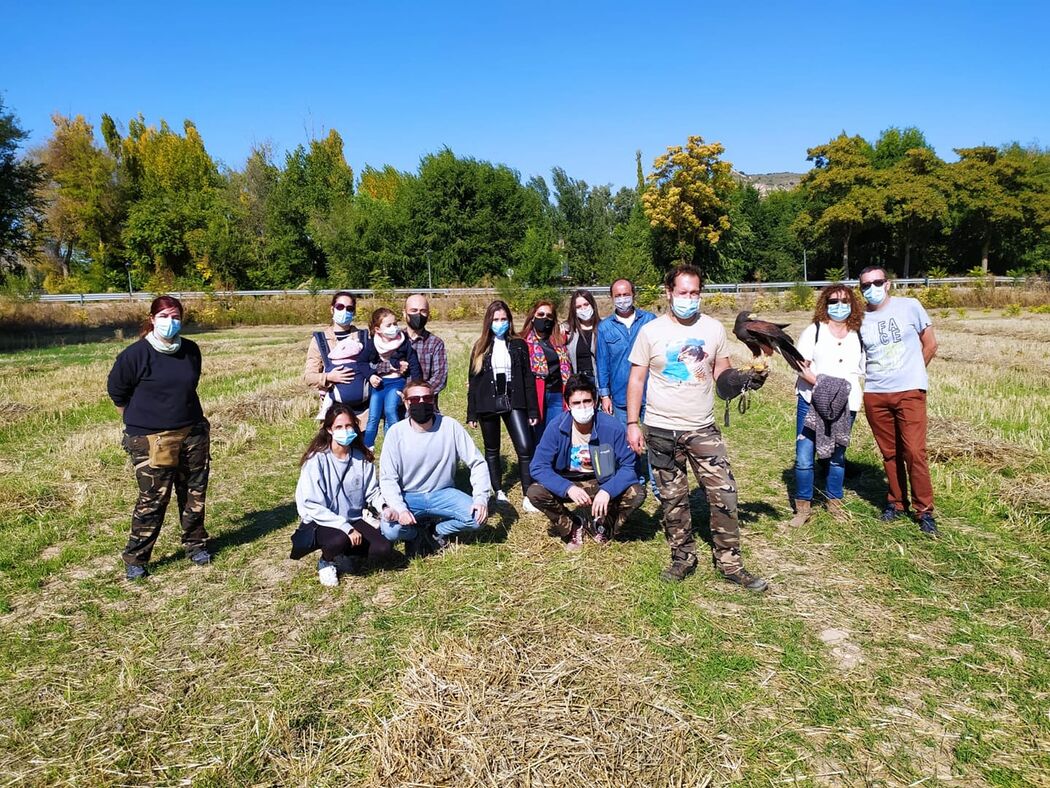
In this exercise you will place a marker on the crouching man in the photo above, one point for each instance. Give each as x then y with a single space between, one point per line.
583 457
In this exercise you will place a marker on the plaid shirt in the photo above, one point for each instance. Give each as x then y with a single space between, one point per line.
430 350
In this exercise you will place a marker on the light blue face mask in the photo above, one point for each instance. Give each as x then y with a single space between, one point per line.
874 295
343 316
344 437
839 312
500 328
167 327
685 307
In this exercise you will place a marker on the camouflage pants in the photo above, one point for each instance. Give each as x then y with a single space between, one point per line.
190 479
671 454
620 507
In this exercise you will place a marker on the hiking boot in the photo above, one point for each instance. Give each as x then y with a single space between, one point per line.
575 541
803 510
679 569
200 557
837 510
745 579
928 525
891 513
327 574
134 572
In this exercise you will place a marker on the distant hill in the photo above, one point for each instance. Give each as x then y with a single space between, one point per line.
770 181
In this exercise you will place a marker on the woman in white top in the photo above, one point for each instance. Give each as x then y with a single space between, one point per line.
831 346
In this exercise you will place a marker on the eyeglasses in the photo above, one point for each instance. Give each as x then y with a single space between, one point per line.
838 300
420 399
341 307
873 283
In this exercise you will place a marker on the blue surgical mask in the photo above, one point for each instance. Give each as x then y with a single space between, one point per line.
167 327
874 295
685 307
343 316
500 328
839 312
344 437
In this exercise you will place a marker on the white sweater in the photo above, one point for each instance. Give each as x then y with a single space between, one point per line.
839 358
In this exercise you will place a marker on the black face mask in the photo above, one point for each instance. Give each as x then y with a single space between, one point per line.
421 412
417 321
543 325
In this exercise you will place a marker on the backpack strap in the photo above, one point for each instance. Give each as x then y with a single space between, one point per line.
322 345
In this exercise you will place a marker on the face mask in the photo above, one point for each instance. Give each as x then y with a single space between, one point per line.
585 314
417 321
582 414
166 327
344 437
390 332
499 328
685 307
875 295
839 312
421 412
623 304
542 325
343 316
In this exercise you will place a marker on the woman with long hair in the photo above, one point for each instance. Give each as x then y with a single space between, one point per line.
581 336
548 360
153 384
393 358
337 481
500 387
831 345
337 359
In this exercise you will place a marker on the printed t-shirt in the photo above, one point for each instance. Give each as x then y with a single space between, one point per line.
893 348
580 453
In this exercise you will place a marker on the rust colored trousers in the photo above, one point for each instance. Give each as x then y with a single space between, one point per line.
898 422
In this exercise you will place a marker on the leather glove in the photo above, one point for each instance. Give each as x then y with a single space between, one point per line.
733 382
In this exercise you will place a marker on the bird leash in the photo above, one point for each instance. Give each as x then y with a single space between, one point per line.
743 402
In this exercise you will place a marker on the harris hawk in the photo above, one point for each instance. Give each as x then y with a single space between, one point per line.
761 336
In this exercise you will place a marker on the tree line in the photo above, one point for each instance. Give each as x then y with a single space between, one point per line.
91 210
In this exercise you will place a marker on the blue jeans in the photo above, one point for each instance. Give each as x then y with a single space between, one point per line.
805 452
448 505
552 409
641 465
384 403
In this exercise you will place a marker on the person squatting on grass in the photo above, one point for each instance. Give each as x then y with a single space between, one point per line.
338 359
899 343
685 354
831 346
430 349
417 471
500 387
548 360
583 457
392 360
337 481
153 384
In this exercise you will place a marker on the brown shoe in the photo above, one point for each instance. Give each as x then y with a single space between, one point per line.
745 579
803 510
837 510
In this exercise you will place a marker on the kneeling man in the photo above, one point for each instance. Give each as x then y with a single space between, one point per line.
417 469
584 457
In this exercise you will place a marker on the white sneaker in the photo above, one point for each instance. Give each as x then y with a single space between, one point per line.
326 574
529 506
501 497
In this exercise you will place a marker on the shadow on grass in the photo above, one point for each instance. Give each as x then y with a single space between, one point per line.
865 479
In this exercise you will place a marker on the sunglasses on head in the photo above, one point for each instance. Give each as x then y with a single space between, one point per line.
341 307
838 300
873 283
420 399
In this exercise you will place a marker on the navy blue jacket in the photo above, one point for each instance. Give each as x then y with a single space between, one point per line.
551 459
158 391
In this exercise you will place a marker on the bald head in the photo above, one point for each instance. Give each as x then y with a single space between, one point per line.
417 312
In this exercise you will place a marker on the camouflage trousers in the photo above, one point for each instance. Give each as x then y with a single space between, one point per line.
671 455
190 479
620 507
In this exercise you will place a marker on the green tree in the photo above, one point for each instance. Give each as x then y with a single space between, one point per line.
20 204
894 143
915 206
986 198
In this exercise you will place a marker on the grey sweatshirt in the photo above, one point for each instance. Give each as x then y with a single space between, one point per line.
420 462
320 498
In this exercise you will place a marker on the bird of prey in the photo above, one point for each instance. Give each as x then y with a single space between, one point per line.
761 336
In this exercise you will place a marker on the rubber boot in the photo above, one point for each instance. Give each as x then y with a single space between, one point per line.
802 512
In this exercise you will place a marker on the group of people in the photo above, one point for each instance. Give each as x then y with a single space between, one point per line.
592 407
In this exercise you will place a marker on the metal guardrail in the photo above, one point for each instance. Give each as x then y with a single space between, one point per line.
740 287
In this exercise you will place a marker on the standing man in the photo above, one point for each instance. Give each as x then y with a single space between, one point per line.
684 353
430 350
616 335
899 344
417 472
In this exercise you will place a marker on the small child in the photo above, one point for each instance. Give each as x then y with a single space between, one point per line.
392 359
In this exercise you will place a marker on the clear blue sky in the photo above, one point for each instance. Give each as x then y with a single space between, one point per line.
534 85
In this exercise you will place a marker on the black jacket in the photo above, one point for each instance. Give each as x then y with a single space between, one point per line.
157 391
481 386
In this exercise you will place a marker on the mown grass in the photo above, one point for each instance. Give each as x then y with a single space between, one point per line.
878 657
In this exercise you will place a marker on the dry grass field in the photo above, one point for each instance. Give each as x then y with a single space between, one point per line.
878 657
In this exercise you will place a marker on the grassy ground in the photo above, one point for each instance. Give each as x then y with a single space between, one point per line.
878 657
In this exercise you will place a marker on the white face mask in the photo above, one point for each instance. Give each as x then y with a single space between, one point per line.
582 414
166 327
584 313
390 332
623 303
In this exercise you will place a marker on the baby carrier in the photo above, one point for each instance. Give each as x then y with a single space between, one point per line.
356 392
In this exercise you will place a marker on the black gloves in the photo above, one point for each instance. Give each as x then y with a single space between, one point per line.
734 382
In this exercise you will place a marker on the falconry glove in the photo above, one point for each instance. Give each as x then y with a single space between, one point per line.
739 383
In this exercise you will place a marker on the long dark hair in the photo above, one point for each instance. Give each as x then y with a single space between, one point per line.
856 312
484 343
556 338
159 304
322 441
574 322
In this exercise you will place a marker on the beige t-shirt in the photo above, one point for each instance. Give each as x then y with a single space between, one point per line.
681 362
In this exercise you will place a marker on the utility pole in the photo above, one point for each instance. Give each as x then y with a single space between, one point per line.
430 281
805 272
131 293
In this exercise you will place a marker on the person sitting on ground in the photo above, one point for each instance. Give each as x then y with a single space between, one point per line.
393 359
336 483
417 476
584 457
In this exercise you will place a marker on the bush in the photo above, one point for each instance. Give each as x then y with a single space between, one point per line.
934 297
720 301
1013 310
765 302
800 297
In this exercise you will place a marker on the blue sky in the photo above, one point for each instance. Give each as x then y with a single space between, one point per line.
535 85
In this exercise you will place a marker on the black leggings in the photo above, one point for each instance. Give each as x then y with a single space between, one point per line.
520 432
334 543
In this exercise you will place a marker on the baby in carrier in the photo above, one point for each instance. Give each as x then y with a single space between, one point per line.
346 354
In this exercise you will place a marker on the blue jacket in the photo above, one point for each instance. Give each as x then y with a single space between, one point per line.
611 366
551 459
